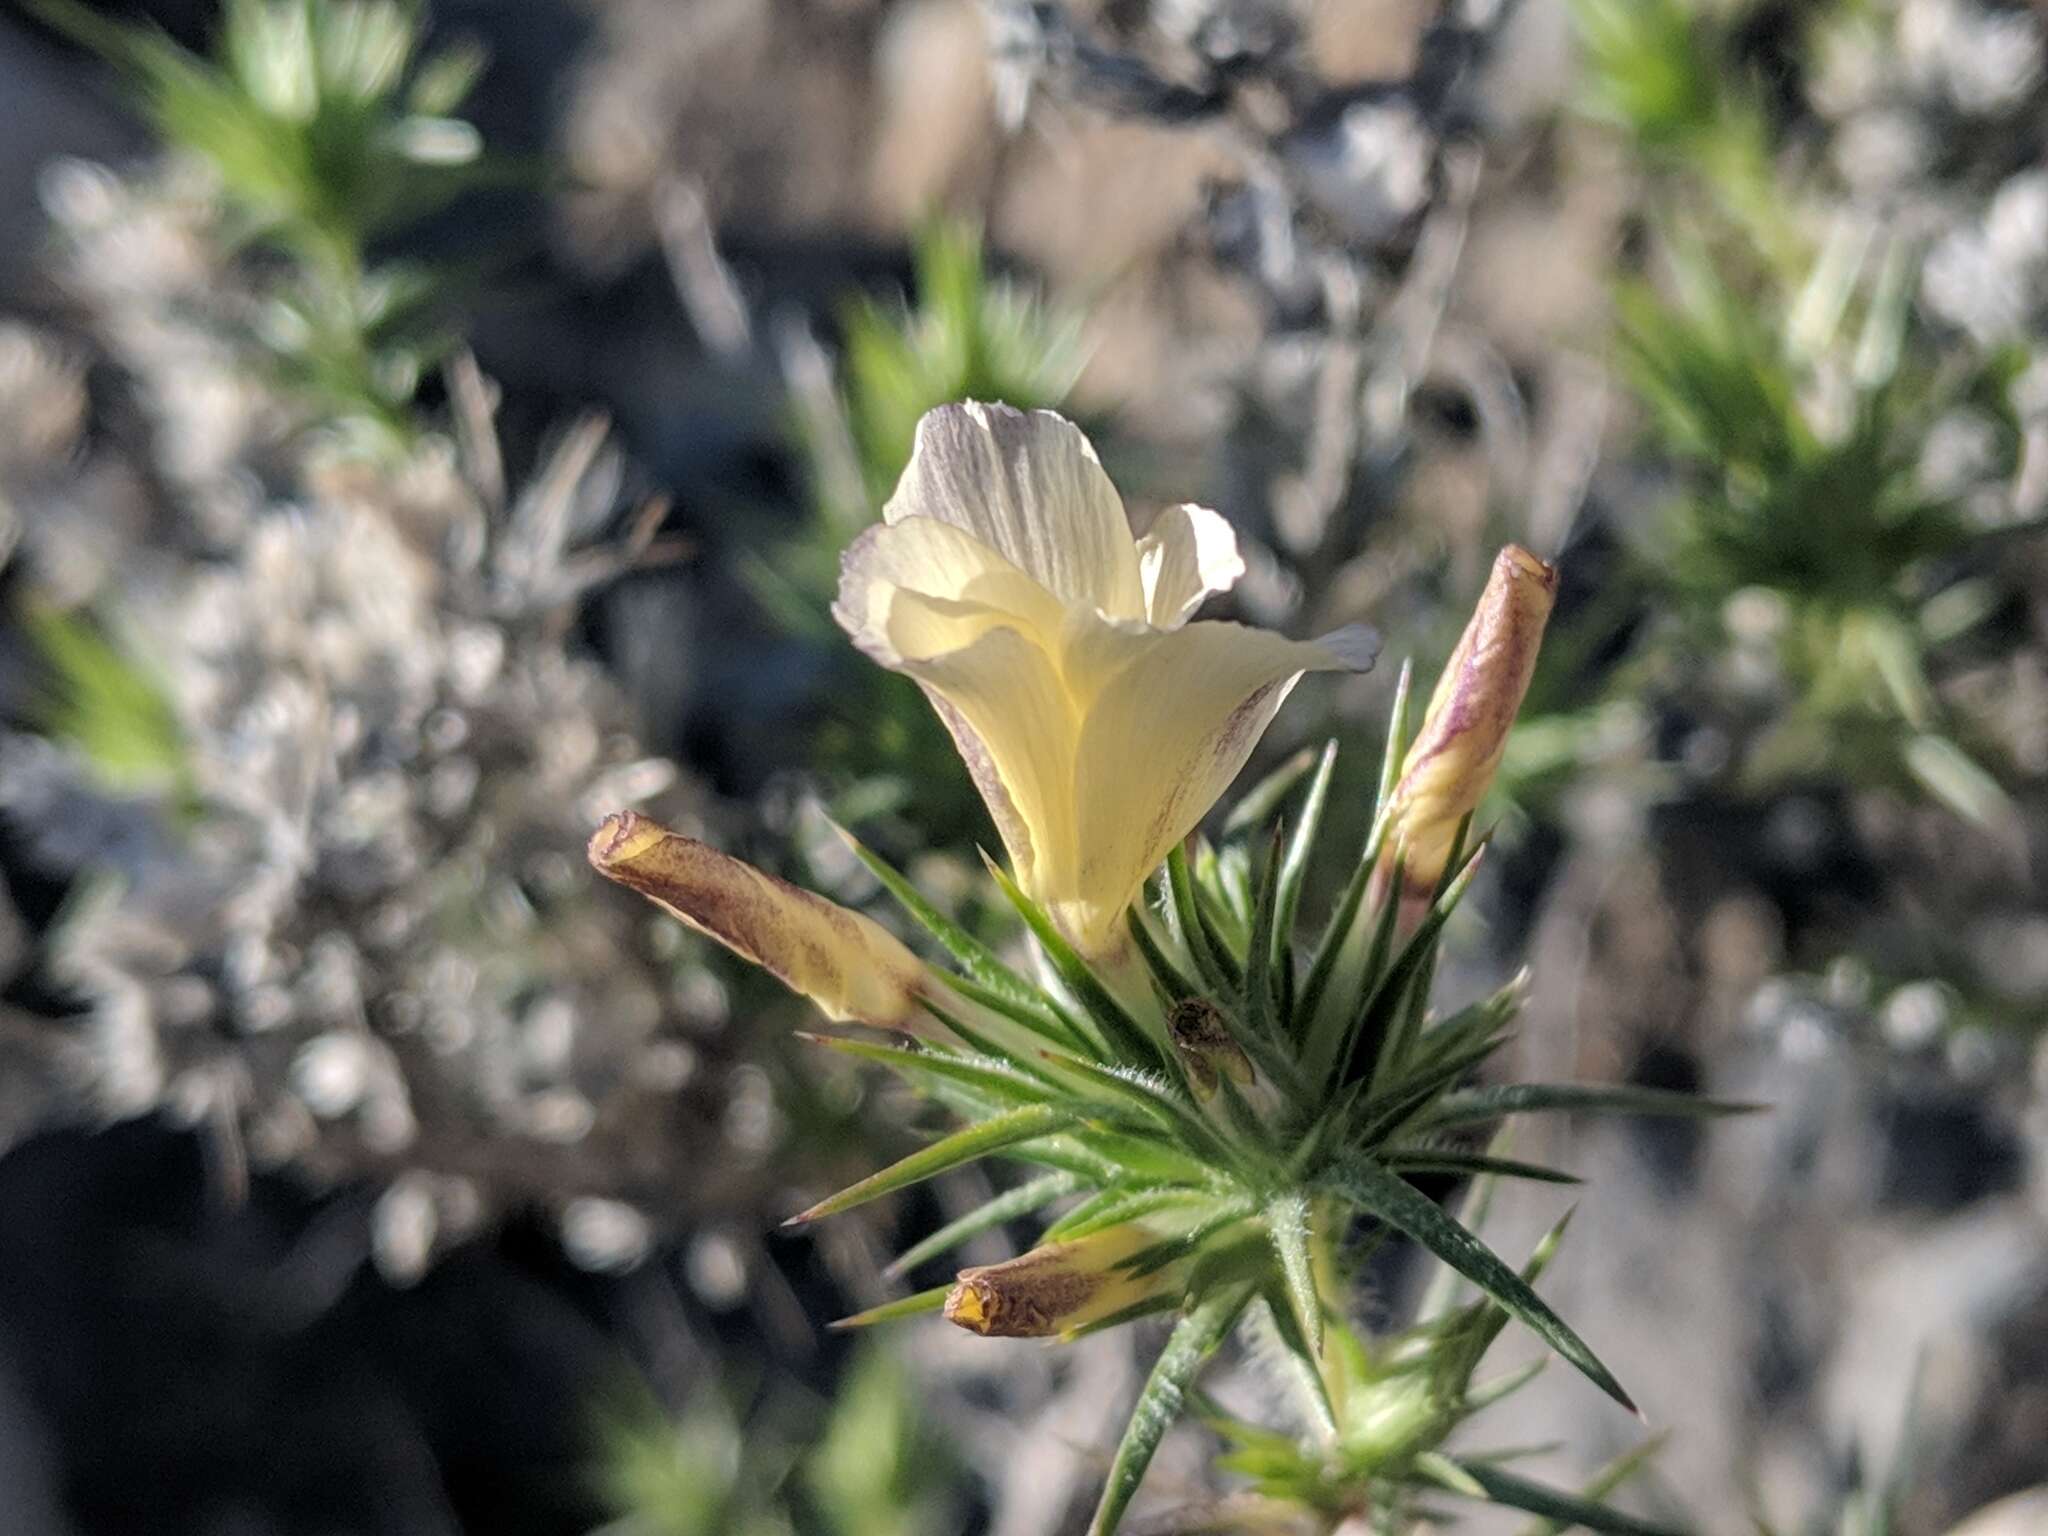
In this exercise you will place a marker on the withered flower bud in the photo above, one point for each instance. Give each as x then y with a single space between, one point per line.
847 964
1057 1288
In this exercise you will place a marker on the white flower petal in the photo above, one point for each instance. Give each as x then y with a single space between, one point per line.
957 575
1098 724
1174 715
1031 488
1015 724
1190 554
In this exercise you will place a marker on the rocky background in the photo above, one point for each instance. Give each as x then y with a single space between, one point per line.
368 1168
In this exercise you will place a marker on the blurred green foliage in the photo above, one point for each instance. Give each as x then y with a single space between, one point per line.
873 1469
1664 72
971 337
1794 423
97 696
328 128
1807 575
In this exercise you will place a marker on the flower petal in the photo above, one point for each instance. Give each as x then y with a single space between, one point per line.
1031 488
1189 554
967 588
847 964
1016 727
1171 718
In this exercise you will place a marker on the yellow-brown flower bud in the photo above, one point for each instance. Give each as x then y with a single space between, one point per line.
1058 1288
1452 761
847 964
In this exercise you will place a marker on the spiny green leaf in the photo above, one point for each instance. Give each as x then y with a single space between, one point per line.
1294 863
1503 1487
1041 1021
1397 741
1145 1093
1384 1114
1261 1003
1112 1207
1223 906
1329 952
1260 801
1610 1477
1442 1291
1287 1224
1194 1340
1475 1106
990 1214
1166 975
1472 1022
1489 1320
1218 972
1025 1123
1377 1045
1471 1164
1306 1361
987 1077
1252 1131
1225 1214
1446 1473
889 1311
1487 1393
1378 1192
1151 1155
1063 1154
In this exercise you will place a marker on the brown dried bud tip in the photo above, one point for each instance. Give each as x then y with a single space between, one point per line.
1058 1287
1206 1047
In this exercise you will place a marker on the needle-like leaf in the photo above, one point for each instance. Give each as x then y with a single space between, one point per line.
1126 1037
1379 1192
1472 1164
1499 1486
1025 1123
889 1311
1476 1106
990 1214
1194 1340
1287 1224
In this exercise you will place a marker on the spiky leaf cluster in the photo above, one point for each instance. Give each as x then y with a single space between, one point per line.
327 127
1398 1400
1234 1106
1842 472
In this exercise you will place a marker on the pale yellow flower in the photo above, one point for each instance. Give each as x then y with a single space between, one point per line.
1057 1288
851 967
1098 723
1452 761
